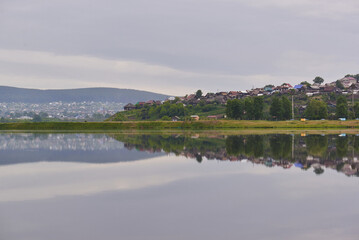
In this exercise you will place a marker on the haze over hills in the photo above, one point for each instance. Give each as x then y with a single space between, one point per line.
24 95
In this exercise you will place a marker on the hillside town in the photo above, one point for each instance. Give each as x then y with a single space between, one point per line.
346 85
59 110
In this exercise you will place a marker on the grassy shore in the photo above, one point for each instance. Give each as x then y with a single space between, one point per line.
163 125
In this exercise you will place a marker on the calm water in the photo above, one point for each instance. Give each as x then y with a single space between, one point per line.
192 186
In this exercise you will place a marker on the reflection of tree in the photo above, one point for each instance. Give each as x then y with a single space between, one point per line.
281 146
255 145
317 145
252 145
269 150
319 170
235 145
199 158
342 146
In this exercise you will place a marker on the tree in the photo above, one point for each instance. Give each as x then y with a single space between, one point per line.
234 109
318 80
199 94
249 108
286 108
36 118
342 107
276 109
305 83
356 110
339 84
342 111
258 106
316 109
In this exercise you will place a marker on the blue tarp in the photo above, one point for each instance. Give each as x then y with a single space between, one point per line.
299 165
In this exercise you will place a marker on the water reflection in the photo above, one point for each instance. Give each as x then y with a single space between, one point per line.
317 152
339 152
85 186
88 148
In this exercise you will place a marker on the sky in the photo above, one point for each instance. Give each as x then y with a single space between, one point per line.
176 46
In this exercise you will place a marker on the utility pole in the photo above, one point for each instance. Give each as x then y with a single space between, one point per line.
292 108
353 103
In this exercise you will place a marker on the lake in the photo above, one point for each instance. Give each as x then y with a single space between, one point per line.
178 186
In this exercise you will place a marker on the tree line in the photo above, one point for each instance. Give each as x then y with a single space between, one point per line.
280 108
252 108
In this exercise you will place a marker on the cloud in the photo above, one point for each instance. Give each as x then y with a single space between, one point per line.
319 8
47 70
313 64
175 47
76 179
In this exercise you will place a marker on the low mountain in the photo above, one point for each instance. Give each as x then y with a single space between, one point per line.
24 95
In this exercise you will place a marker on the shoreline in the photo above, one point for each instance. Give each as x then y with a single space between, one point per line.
182 125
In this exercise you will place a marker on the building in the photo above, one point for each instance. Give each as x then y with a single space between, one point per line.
129 107
348 81
195 117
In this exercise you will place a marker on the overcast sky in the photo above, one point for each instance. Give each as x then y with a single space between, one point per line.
176 46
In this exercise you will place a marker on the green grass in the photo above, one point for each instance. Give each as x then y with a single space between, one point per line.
163 125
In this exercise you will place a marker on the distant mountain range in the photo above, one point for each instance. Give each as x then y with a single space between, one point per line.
12 94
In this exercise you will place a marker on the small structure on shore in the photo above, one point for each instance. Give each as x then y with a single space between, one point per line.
195 117
129 107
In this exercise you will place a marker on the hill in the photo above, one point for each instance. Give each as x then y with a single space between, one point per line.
24 95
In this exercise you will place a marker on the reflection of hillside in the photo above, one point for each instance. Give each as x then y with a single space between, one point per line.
58 142
314 151
87 148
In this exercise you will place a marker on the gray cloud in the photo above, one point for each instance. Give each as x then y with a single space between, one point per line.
208 44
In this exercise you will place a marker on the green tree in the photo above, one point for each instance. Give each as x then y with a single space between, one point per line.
276 109
166 118
199 94
316 109
258 106
339 84
305 83
356 110
318 80
36 118
234 109
249 108
286 108
317 145
342 107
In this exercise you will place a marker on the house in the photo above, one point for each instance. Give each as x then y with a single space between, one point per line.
329 89
195 117
175 119
129 107
286 86
191 97
214 117
354 86
141 104
210 95
150 102
300 87
233 94
348 81
268 89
